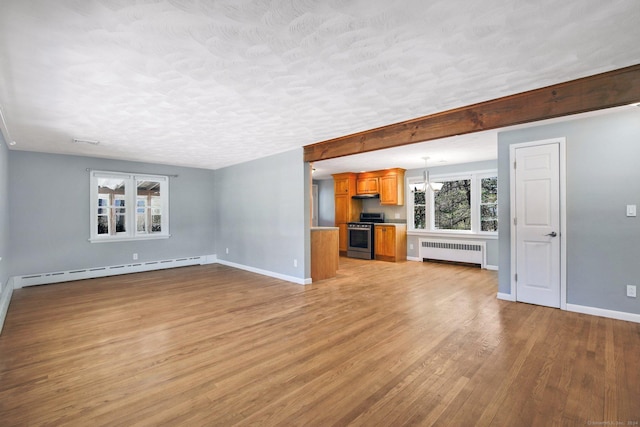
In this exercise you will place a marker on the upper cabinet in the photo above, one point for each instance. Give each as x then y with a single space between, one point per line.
343 183
392 187
367 184
389 183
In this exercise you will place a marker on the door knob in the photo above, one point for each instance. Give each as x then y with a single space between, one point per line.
552 234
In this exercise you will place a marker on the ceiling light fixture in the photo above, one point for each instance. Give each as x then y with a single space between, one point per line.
85 141
422 186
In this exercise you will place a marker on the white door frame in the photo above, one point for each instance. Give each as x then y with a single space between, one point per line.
563 214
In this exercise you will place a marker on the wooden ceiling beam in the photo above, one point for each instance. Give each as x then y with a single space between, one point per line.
606 90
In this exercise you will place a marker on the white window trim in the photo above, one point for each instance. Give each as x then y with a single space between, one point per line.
475 177
131 194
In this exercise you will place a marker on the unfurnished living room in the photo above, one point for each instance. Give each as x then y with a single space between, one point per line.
313 213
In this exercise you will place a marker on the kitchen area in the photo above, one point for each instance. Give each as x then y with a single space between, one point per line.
367 209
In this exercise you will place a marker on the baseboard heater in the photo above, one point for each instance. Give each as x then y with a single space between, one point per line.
469 252
92 273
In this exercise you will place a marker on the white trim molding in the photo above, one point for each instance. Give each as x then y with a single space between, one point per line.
268 273
5 300
602 312
506 297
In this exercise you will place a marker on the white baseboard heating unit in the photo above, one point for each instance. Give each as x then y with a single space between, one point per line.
113 270
454 250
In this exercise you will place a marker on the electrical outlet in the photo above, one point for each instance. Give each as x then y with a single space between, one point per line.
135 257
631 291
295 262
411 246
631 210
227 250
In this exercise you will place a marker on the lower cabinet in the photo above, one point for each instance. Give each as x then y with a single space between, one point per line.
390 242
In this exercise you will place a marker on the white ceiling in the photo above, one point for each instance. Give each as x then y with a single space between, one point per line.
214 83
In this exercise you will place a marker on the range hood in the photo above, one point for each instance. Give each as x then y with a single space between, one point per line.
366 196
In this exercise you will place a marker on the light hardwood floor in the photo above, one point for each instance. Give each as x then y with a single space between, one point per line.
382 344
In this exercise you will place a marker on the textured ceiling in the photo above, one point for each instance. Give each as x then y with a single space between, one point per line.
214 83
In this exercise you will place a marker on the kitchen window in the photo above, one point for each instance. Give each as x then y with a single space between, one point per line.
466 204
128 206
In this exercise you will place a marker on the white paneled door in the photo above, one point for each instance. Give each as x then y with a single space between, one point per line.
537 224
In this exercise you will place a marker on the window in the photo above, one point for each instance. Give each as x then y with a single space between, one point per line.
489 204
452 206
128 207
464 204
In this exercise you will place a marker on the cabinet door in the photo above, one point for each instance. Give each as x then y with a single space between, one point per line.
341 186
389 190
390 241
342 209
379 240
342 237
385 238
367 186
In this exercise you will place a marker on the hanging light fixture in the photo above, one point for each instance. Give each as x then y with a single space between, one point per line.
422 186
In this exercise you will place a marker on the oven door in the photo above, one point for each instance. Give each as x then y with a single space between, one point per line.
360 242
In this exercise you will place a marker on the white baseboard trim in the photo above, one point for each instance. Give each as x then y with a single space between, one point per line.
491 267
506 297
113 270
5 299
594 311
268 273
138 267
414 258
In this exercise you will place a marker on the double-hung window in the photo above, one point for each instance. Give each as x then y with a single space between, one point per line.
464 204
128 206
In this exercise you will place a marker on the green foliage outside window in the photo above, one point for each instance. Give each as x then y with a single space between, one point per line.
489 204
452 206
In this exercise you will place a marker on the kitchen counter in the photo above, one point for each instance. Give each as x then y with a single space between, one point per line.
325 252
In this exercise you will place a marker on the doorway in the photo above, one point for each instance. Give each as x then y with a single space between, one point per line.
538 222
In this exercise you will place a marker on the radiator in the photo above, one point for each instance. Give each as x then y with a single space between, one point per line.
453 250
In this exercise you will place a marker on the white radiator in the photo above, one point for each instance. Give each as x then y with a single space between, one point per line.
454 250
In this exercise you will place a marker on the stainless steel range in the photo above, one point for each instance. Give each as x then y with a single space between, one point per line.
360 235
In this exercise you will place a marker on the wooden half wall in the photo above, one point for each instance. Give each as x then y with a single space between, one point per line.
606 90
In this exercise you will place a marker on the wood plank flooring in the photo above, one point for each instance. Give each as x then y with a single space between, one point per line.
381 344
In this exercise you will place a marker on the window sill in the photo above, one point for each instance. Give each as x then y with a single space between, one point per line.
454 234
128 239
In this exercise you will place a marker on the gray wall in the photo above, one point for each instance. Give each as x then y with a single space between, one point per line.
4 214
49 214
326 204
262 213
492 244
603 176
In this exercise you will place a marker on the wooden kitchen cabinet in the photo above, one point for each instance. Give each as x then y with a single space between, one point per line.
367 185
347 209
392 187
342 183
390 242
